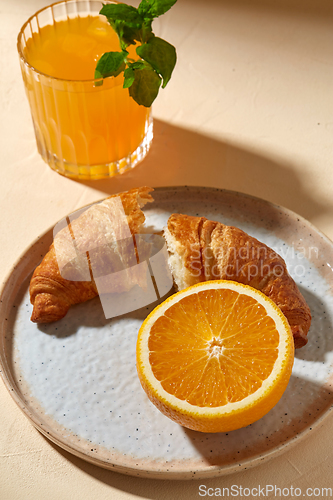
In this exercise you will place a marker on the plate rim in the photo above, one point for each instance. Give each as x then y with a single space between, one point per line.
206 471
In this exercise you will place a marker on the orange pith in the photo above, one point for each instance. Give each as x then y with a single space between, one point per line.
217 358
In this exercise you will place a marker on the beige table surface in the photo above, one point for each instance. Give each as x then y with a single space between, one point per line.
249 108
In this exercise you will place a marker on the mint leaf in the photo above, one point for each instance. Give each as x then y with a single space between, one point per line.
155 8
129 73
137 65
110 64
121 12
126 21
145 86
128 33
157 60
144 7
129 77
146 31
161 55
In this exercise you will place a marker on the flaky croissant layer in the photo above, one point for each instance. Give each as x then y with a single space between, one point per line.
202 250
118 217
199 250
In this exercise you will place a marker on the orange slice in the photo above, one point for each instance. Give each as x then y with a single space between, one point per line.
216 356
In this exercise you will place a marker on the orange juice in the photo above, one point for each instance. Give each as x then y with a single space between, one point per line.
70 49
82 130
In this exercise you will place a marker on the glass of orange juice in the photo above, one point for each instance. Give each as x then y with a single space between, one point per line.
84 128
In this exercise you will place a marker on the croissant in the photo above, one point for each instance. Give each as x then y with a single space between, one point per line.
200 250
101 236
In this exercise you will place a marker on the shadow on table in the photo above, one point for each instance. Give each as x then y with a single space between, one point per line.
179 156
299 411
321 8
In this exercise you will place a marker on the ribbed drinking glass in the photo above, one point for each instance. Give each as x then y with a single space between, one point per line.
83 130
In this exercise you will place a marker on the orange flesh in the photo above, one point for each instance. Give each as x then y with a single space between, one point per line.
202 358
87 125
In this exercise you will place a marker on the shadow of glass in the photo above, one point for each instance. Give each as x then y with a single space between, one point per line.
182 154
290 7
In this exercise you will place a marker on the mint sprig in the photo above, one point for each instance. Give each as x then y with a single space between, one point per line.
157 58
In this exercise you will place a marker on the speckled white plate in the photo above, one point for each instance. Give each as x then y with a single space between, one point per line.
76 378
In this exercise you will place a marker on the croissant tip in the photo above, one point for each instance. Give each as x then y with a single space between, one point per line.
43 318
300 342
34 318
300 338
47 310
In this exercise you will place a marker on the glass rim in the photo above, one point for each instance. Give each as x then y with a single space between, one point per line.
35 70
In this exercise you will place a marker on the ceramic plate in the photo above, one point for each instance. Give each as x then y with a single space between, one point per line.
76 379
